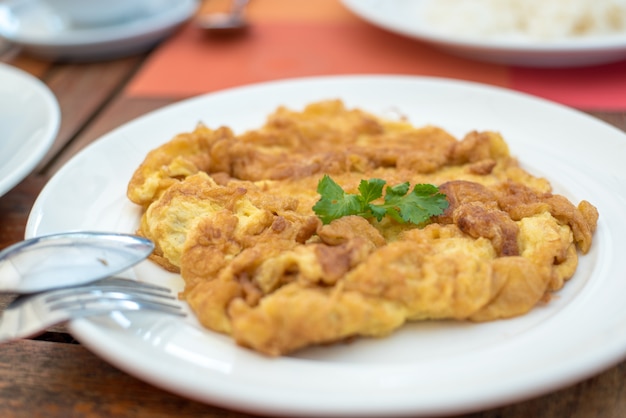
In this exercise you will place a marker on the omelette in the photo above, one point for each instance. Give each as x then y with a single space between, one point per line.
233 214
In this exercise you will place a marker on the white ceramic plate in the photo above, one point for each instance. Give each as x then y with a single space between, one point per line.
39 30
408 18
425 368
29 122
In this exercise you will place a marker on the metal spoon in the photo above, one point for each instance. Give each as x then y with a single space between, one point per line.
68 259
225 23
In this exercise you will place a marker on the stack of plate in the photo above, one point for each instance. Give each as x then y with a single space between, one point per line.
40 31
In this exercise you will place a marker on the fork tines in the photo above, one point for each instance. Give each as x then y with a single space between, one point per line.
114 294
28 315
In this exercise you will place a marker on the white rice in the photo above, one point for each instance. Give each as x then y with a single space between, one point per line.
537 19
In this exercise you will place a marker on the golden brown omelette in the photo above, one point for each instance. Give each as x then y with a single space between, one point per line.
233 214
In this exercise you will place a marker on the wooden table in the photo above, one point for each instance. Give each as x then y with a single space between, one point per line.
54 376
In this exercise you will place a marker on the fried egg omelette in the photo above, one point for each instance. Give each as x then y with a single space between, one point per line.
233 215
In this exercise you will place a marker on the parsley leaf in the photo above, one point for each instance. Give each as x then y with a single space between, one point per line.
335 202
371 189
416 207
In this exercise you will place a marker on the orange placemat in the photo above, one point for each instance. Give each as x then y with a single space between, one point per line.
297 38
591 88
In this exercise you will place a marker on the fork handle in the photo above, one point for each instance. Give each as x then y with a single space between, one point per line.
9 326
9 276
14 326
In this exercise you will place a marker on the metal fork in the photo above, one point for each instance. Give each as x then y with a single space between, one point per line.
29 315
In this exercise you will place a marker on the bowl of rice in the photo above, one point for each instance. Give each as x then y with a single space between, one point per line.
533 33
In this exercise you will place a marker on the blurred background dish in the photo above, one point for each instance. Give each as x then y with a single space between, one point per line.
41 31
417 19
29 122
90 13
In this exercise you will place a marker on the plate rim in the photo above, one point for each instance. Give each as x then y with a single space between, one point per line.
86 326
47 137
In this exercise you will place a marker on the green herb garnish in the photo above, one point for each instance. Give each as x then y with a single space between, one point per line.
416 207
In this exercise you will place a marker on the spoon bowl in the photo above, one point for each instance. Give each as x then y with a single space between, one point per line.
229 23
68 259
